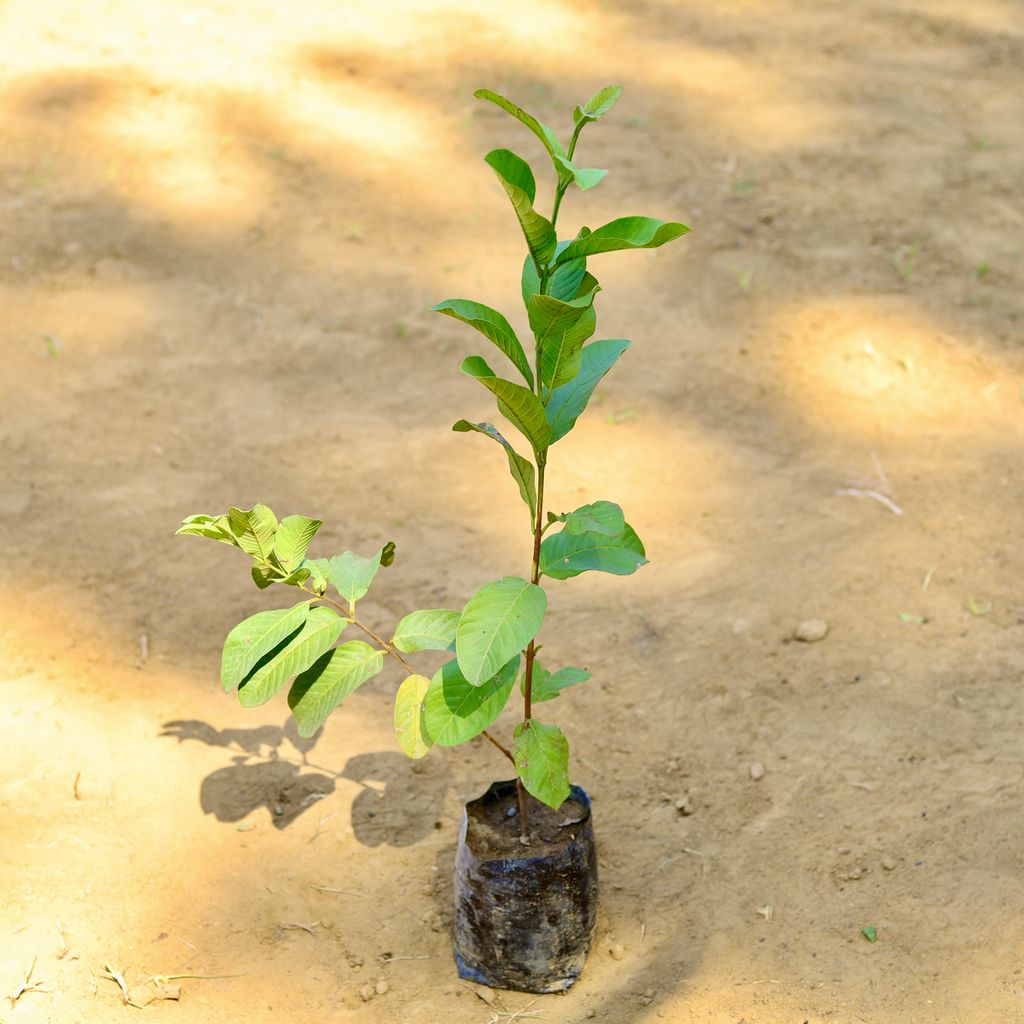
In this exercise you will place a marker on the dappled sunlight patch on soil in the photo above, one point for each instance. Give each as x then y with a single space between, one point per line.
882 367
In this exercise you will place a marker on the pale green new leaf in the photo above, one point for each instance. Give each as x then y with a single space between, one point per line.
317 573
413 737
455 710
432 629
599 104
520 406
351 574
564 554
517 179
499 620
547 137
491 324
603 517
584 177
254 637
323 686
215 527
624 233
520 467
567 402
542 761
321 628
293 538
254 530
548 685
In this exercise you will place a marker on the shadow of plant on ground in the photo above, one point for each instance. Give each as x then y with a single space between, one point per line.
391 810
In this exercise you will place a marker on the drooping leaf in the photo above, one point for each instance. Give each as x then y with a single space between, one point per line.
564 555
499 620
547 137
520 467
542 761
254 637
548 685
491 324
264 575
455 710
432 629
520 406
321 628
517 179
410 726
293 538
215 527
351 574
624 233
331 678
561 328
254 530
599 104
584 177
604 517
567 402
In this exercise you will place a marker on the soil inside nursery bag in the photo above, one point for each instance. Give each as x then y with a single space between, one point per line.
525 915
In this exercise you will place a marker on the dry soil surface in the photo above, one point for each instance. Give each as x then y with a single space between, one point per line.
223 226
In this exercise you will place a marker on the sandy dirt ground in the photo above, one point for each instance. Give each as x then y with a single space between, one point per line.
223 225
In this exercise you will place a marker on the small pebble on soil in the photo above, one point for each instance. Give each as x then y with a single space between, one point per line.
616 952
757 771
811 631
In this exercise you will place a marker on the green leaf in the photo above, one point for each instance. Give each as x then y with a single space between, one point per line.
584 177
563 555
521 468
430 630
603 517
563 283
542 761
201 525
519 405
317 572
334 675
870 933
254 530
499 620
567 402
293 538
599 104
254 637
409 720
624 233
351 574
547 137
548 685
455 710
561 328
517 179
321 628
264 575
491 324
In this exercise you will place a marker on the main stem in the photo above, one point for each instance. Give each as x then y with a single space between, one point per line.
538 525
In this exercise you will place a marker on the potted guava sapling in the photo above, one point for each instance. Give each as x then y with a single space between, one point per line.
526 869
